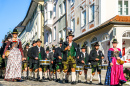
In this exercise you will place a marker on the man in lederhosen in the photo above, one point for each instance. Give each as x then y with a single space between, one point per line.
38 53
25 62
82 60
59 60
96 57
49 68
31 61
54 61
72 54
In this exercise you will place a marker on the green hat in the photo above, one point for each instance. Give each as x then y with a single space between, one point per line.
15 31
53 47
70 33
33 42
96 44
61 41
83 47
39 40
47 49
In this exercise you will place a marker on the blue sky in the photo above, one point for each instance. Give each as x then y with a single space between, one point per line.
12 12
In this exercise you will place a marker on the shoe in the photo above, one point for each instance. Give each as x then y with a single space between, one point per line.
79 81
41 80
66 81
63 81
36 79
100 83
73 83
85 82
90 82
50 79
57 80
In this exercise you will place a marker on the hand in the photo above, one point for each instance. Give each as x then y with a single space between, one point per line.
25 59
118 57
3 56
68 47
59 57
78 57
82 61
111 64
102 57
36 58
51 62
45 58
96 59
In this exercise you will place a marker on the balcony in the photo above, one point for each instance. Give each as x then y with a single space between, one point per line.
48 24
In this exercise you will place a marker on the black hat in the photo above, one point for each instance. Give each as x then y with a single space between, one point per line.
70 33
66 36
61 41
33 42
47 49
83 47
114 41
96 44
27 44
39 40
53 47
9 36
15 31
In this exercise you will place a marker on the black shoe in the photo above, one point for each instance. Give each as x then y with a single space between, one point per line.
85 82
66 81
57 80
50 79
36 79
79 81
73 83
90 82
100 83
41 80
63 81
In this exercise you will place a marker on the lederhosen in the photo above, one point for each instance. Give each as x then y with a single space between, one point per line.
25 63
95 64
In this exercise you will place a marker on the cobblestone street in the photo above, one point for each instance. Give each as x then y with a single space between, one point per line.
46 83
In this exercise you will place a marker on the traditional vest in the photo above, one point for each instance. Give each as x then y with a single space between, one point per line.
72 51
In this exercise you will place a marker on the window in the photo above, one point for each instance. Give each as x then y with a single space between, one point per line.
54 10
94 40
72 2
45 17
64 7
123 7
50 14
47 38
54 33
73 25
60 35
50 36
64 35
83 18
60 10
91 13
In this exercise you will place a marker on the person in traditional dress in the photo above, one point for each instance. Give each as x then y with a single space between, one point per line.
82 60
54 62
71 49
25 62
14 62
31 61
96 57
38 53
114 74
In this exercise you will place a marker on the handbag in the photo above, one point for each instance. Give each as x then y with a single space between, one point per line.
119 61
7 52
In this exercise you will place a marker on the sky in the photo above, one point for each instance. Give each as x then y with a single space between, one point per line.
12 12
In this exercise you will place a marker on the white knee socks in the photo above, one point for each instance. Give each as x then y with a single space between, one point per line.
91 77
40 73
73 76
36 74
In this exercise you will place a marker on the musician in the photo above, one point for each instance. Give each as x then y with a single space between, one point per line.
59 60
31 60
96 57
38 53
71 49
25 62
83 60
54 61
49 68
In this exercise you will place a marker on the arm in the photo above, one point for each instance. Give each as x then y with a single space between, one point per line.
109 56
29 53
21 49
120 55
33 53
91 56
6 47
44 54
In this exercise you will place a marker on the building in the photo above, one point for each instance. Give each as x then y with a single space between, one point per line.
54 22
100 21
33 23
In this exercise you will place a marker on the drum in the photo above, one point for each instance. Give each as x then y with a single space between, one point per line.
87 66
44 62
79 68
100 67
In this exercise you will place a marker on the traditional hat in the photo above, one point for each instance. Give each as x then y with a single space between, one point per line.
39 40
27 44
61 41
96 44
33 42
47 49
70 33
83 47
15 31
114 41
53 47
9 36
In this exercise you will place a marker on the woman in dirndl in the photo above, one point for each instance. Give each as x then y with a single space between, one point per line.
115 75
14 62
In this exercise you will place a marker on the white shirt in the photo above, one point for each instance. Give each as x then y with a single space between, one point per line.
84 54
70 44
39 48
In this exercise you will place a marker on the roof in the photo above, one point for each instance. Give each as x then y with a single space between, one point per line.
119 20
